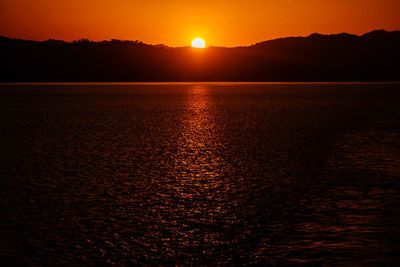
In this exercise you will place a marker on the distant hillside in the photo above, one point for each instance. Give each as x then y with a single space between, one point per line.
374 56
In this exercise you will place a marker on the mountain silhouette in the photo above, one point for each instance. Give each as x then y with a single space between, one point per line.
374 56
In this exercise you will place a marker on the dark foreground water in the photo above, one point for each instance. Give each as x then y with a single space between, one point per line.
200 174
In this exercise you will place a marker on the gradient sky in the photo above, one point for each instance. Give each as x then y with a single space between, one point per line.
177 22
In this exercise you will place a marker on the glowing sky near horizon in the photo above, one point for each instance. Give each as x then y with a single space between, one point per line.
177 22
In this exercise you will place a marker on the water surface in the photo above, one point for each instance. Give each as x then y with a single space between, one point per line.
200 174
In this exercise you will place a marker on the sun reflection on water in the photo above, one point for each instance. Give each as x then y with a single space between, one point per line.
194 207
199 168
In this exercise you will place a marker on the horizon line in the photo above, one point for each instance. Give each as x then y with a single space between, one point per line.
201 82
188 46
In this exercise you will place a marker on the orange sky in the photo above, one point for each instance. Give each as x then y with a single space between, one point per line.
177 22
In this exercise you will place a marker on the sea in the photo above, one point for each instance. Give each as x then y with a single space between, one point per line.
200 174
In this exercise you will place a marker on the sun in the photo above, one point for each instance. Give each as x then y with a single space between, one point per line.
198 43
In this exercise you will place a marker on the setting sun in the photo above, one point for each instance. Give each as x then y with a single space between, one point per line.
198 43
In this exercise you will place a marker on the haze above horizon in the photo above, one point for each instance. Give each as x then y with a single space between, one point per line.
178 22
